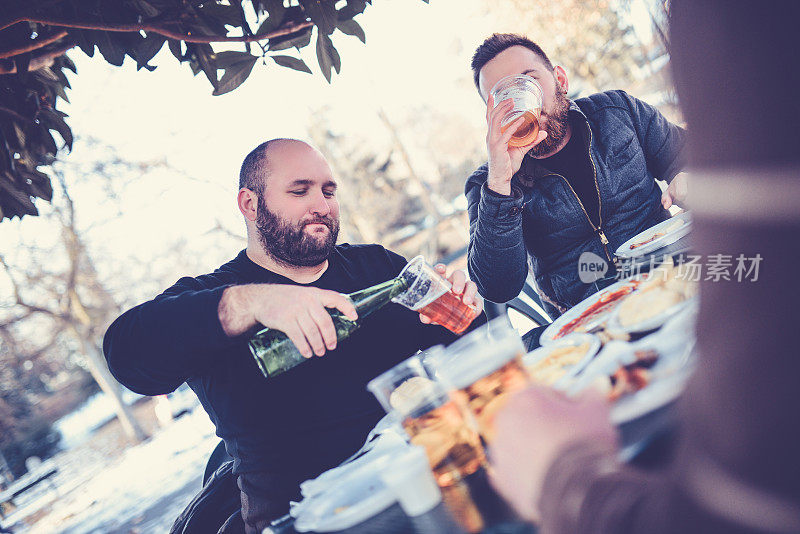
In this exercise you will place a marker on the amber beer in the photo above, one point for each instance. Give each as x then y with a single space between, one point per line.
450 311
526 132
437 423
454 449
526 95
487 395
482 369
431 295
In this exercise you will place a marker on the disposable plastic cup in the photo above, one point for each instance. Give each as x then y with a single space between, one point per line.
482 370
526 94
410 479
431 294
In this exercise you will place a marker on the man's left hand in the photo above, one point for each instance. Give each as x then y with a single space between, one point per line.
461 286
676 192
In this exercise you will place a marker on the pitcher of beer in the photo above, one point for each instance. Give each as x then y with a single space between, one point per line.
526 93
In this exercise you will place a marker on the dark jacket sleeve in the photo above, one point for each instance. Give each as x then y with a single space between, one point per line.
497 259
154 347
663 142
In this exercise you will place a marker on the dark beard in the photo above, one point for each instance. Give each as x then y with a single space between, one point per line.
288 244
555 126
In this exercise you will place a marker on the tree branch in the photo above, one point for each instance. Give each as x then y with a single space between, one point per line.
34 45
40 61
136 27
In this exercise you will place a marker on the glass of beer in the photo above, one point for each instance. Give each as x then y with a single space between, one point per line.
483 369
431 419
526 93
431 295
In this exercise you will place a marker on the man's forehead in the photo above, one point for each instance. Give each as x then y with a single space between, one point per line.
512 60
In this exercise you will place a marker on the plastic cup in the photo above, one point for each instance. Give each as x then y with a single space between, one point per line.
410 479
431 419
483 369
431 294
526 93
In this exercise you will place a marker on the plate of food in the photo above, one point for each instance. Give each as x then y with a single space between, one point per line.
640 377
662 293
554 364
590 312
663 234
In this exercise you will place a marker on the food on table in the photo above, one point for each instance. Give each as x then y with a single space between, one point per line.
604 305
408 394
663 288
629 378
556 364
677 223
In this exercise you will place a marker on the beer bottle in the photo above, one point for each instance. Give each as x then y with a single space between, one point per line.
274 351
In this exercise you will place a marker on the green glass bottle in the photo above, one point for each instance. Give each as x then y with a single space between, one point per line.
274 351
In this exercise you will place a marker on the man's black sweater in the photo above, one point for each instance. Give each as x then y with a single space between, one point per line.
294 425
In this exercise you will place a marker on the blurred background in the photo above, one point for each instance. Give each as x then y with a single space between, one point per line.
148 194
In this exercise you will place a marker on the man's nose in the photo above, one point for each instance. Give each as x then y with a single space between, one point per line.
321 206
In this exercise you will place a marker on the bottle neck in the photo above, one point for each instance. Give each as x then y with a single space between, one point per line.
372 298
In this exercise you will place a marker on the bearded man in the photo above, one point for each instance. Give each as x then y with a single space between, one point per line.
289 428
587 182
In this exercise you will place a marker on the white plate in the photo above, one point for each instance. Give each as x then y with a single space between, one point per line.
674 344
550 333
648 324
576 339
624 251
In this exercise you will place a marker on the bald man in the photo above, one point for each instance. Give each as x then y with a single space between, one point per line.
286 429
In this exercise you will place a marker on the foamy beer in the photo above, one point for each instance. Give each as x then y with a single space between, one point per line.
483 369
431 295
526 93
431 419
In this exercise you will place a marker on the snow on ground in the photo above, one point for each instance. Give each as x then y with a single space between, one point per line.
141 490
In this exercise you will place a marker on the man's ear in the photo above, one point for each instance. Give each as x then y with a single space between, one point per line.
248 203
561 79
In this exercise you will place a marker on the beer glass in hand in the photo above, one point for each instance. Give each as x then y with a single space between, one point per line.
483 369
431 295
526 93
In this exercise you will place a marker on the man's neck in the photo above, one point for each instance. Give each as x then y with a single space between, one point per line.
299 274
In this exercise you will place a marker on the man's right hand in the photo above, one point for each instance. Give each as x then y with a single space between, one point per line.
504 160
298 312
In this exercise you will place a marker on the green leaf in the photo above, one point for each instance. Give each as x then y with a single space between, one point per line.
84 40
292 63
353 8
108 46
176 47
322 13
327 56
54 120
298 39
225 59
276 11
351 27
234 76
204 53
68 64
148 49
40 185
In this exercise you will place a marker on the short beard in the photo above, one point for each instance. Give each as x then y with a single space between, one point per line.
288 244
555 126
